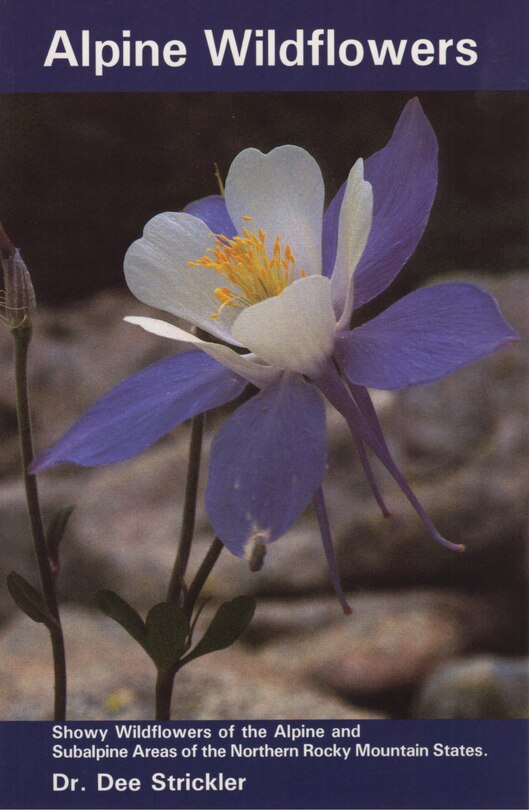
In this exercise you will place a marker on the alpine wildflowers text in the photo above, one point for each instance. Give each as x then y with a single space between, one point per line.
256 48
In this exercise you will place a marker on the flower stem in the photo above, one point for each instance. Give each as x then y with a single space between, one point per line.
164 692
165 679
176 584
201 575
176 592
21 332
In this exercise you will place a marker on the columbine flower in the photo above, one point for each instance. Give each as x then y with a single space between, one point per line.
274 280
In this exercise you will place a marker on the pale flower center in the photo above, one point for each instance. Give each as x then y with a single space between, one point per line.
246 264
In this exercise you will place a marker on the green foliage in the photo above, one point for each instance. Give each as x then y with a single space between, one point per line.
163 636
116 608
167 630
56 530
28 599
229 622
166 633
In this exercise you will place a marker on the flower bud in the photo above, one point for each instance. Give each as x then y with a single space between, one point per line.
19 298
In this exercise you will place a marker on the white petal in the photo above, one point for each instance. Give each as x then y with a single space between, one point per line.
356 215
283 193
158 273
246 366
294 331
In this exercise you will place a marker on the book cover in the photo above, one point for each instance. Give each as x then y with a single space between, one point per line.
264 410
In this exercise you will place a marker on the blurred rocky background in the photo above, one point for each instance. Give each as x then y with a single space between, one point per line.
433 633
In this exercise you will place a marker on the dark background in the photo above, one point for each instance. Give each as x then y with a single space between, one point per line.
81 174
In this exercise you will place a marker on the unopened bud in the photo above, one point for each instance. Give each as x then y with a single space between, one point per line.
19 300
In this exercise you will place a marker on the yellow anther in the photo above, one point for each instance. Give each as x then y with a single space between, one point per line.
223 294
244 262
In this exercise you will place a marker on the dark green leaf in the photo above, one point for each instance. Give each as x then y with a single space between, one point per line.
114 606
56 530
167 630
229 622
28 599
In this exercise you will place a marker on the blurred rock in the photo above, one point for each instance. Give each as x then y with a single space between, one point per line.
483 508
484 687
283 619
111 678
130 513
81 566
391 642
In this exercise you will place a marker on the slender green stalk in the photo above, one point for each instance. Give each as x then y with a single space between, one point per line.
165 679
164 692
201 576
176 590
177 582
21 332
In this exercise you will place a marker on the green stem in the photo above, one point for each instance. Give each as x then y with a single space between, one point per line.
201 576
165 679
22 336
176 589
164 692
177 592
177 582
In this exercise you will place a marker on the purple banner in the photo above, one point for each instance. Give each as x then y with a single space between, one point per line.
179 45
265 764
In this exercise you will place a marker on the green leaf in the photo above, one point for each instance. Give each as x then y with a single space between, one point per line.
167 631
56 530
114 606
229 622
28 599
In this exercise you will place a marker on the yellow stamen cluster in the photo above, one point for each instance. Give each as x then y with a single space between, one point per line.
244 262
